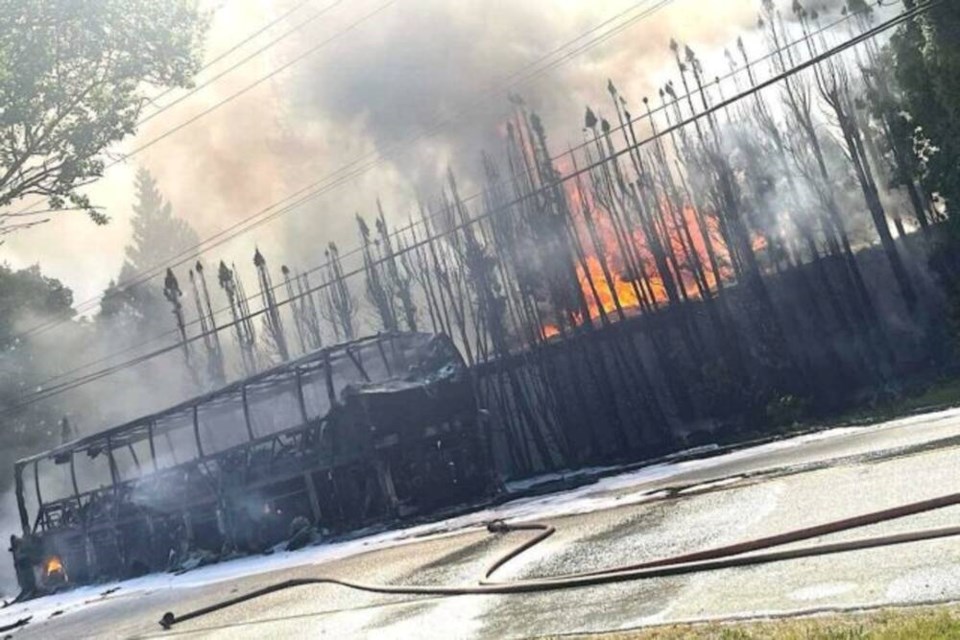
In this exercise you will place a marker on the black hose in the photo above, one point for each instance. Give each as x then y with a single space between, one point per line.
707 560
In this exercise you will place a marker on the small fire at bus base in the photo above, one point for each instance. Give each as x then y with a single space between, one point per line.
368 432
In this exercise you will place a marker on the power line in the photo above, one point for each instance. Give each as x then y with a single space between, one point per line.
259 294
245 60
871 33
353 25
23 214
239 44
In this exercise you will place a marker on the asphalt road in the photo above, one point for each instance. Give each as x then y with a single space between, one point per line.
642 515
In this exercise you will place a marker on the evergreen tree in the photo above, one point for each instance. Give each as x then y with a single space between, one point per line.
158 237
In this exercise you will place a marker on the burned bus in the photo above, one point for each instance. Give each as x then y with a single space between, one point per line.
348 436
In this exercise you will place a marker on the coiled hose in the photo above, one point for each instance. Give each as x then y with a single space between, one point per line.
723 557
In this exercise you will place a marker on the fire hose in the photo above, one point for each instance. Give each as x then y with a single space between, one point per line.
724 557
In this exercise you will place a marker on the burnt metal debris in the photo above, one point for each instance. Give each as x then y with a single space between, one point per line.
364 432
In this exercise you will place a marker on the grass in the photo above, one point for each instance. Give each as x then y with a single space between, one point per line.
918 395
937 394
927 623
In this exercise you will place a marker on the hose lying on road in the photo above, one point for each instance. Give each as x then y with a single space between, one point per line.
707 560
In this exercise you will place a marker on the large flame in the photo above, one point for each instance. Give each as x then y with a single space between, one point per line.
616 267
686 233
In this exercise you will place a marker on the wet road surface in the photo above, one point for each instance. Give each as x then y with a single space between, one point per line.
651 513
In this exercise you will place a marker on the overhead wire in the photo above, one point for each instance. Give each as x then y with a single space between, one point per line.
679 125
236 46
296 59
256 53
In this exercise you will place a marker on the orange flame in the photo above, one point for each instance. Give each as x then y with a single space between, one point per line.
53 566
597 289
616 266
759 243
685 236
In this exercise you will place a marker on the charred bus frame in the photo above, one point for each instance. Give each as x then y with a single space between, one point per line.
375 429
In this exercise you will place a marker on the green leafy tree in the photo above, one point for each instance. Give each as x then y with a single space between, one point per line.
927 54
73 80
27 293
28 298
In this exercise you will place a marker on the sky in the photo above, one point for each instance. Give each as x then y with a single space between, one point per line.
382 72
